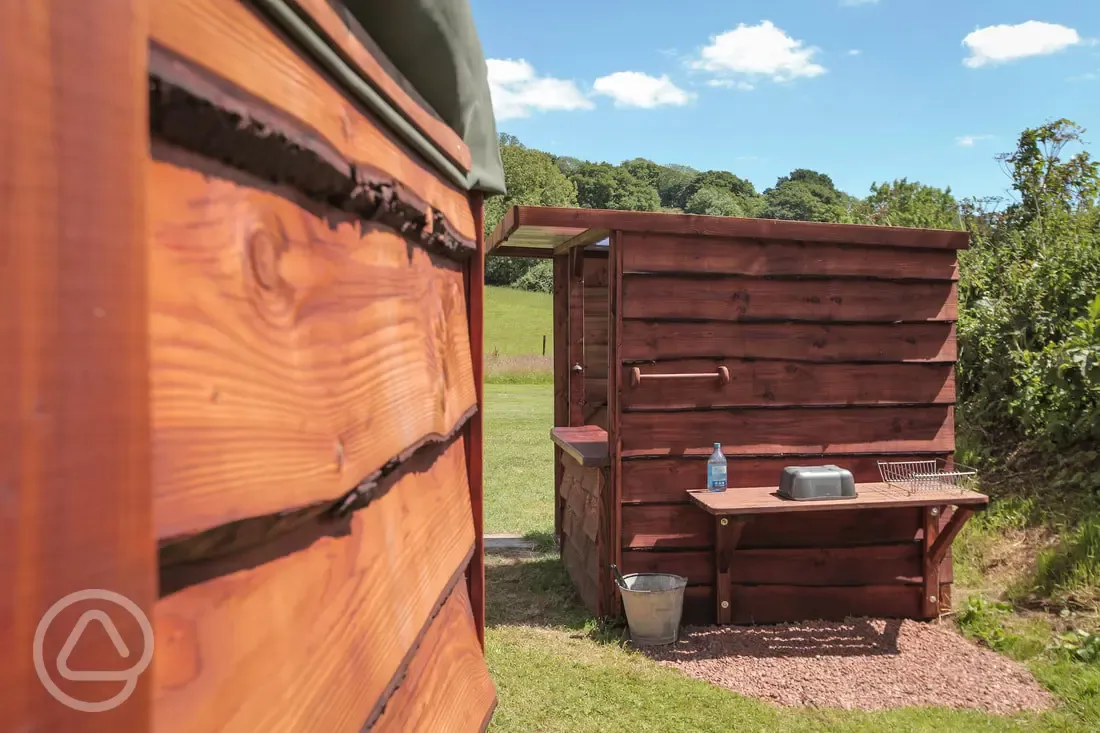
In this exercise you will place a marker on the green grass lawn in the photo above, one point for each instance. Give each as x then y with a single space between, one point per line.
519 458
556 669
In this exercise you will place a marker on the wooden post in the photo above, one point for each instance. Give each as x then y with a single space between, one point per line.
475 451
561 376
930 573
76 501
611 518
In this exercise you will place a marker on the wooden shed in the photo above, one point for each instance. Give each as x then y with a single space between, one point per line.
790 344
241 288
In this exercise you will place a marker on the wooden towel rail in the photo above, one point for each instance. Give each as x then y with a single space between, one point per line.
722 373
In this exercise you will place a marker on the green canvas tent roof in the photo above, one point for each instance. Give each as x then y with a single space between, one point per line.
432 49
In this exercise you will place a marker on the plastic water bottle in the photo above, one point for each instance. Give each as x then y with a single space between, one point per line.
716 470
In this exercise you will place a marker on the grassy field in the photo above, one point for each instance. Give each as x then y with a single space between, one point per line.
557 670
515 324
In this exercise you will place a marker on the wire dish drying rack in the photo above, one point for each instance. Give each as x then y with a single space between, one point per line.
935 475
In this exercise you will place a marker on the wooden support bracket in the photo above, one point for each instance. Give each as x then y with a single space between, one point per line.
727 535
722 374
947 535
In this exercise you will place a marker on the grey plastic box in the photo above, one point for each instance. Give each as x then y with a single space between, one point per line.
807 483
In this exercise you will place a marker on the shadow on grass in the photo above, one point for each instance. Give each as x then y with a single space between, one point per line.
533 589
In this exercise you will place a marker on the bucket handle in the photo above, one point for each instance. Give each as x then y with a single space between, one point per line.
619 576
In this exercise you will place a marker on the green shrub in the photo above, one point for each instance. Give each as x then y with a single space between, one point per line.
1029 322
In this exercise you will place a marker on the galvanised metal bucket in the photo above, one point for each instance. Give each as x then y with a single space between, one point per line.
653 603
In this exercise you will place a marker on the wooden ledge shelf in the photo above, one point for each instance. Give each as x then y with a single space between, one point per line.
587 444
766 500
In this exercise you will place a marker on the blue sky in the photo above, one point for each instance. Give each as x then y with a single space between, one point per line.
862 90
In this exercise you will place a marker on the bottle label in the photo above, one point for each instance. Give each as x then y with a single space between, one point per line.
716 476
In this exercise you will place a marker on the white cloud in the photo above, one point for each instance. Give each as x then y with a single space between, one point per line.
517 90
999 43
854 52
967 141
758 51
635 89
743 86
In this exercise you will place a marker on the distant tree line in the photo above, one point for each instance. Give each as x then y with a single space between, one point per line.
538 178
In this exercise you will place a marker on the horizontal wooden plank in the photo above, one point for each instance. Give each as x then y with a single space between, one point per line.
766 431
293 352
668 479
316 639
773 604
778 383
447 688
595 392
675 526
722 226
807 566
740 299
595 330
650 252
246 51
586 444
907 342
596 359
351 41
596 273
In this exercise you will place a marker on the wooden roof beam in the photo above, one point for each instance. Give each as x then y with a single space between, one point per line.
584 239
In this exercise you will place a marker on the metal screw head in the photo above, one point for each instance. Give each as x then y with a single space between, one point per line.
725 604
725 521
935 511
932 599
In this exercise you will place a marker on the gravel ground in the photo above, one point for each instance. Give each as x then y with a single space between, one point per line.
866 664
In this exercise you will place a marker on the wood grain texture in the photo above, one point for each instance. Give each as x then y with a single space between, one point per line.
293 352
806 566
646 252
681 526
777 383
909 342
447 688
536 217
667 479
759 431
75 507
475 429
347 39
316 640
246 51
740 299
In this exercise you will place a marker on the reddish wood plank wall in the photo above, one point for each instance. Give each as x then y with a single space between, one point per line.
837 354
256 354
595 339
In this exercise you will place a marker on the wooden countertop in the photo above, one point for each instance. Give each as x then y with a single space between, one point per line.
585 443
765 500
